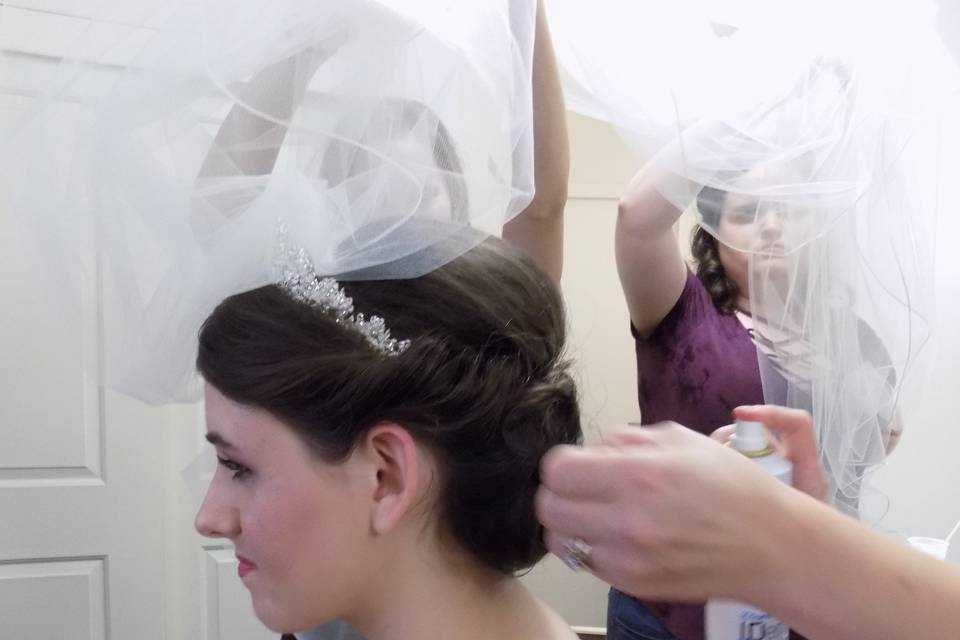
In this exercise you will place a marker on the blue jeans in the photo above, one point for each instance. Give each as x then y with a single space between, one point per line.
630 619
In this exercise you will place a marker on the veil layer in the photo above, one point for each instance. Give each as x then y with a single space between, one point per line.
812 140
157 147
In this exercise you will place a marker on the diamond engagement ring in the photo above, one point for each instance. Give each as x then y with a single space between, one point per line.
577 554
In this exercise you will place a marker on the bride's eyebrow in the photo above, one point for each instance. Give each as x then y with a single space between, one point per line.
217 440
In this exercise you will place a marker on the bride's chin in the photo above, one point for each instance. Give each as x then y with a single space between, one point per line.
274 618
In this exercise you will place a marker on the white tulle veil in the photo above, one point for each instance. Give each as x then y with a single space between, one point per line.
813 137
157 148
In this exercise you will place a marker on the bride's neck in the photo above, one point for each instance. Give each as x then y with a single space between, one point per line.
429 597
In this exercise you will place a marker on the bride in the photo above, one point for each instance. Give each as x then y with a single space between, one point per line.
379 444
405 513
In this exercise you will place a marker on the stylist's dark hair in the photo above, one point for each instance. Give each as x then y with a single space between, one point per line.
483 385
706 252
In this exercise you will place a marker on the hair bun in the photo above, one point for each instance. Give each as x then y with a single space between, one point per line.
544 415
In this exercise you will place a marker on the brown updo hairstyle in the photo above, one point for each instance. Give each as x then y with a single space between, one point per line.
483 385
706 252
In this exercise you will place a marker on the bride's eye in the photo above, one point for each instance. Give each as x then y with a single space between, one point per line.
239 471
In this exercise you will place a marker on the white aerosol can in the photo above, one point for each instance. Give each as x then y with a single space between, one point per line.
728 619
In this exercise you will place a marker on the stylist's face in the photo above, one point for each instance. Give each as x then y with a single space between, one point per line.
769 228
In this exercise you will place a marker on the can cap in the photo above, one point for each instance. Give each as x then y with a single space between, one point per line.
750 437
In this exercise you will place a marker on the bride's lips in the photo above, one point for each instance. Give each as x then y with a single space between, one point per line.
244 566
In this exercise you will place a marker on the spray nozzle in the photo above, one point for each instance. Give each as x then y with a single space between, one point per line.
750 437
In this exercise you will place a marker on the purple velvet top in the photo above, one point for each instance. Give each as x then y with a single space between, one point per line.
694 368
696 365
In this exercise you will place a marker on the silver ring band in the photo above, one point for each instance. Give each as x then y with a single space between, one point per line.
577 554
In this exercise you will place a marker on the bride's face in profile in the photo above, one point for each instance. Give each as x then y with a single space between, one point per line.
301 527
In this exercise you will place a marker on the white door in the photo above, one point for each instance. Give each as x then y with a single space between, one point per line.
81 547
81 543
96 536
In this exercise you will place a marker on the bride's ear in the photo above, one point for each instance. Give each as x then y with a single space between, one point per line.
398 464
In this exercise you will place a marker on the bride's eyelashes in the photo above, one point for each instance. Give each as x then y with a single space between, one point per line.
239 471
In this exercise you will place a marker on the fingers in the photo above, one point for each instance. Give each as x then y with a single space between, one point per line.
603 562
625 436
779 420
662 434
578 472
723 434
634 499
626 459
585 491
794 428
592 472
797 443
573 518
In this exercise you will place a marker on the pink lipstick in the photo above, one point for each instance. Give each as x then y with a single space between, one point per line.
244 566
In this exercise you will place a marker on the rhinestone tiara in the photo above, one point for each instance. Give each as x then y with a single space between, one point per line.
297 275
